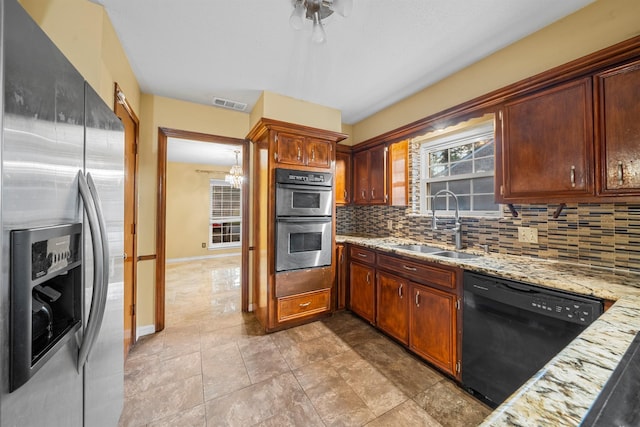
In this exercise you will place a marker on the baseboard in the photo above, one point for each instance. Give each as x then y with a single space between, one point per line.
145 330
197 258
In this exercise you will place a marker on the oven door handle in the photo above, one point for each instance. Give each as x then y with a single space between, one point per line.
304 219
306 187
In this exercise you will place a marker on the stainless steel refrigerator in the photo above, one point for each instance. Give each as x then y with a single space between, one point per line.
61 207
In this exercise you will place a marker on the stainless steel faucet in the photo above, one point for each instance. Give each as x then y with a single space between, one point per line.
457 229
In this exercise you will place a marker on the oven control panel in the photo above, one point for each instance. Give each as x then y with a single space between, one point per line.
292 176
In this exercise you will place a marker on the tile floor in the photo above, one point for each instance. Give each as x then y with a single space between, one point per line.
213 366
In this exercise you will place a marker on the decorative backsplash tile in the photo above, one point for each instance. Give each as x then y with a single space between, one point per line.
603 235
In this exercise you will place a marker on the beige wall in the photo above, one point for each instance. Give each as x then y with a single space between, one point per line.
83 32
601 24
279 107
188 210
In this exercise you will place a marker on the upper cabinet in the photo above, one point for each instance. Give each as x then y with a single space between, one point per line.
369 176
399 173
343 175
547 145
295 149
618 136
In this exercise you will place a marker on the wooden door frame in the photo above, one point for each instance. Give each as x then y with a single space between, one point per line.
161 215
119 98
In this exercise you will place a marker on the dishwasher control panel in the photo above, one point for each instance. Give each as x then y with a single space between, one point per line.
570 310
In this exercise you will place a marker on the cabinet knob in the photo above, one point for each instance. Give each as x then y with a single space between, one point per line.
620 174
573 176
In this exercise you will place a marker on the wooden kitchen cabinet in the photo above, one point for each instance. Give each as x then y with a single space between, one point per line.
369 175
618 137
393 309
293 149
343 176
433 326
398 173
362 290
341 277
547 145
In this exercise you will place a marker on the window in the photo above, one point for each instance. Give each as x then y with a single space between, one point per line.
226 215
461 162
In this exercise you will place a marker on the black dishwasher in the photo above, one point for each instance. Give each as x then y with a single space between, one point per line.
512 329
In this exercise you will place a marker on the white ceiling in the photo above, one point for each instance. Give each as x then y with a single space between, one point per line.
204 153
384 51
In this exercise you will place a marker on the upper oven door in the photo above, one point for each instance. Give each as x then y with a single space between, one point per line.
303 243
303 200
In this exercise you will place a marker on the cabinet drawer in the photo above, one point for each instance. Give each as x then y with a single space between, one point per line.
421 273
303 305
359 254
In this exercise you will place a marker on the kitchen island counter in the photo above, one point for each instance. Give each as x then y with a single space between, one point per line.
562 392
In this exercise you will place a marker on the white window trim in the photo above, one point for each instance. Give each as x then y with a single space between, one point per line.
223 245
434 143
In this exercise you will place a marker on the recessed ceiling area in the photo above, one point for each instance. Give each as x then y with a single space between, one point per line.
195 50
204 153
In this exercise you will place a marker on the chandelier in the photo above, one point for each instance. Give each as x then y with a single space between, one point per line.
316 11
235 177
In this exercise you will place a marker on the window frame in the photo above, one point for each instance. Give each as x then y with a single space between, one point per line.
223 219
426 146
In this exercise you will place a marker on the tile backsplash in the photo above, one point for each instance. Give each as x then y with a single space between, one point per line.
602 235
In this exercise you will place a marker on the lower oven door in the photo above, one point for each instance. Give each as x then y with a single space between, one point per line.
303 243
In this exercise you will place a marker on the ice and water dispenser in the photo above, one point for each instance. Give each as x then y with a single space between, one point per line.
46 295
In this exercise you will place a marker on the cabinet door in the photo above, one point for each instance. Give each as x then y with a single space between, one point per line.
399 173
343 178
362 291
619 130
341 277
433 325
319 153
290 149
377 175
361 177
393 309
548 145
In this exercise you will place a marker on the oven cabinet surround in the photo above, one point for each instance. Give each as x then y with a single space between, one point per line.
288 298
415 302
578 140
342 177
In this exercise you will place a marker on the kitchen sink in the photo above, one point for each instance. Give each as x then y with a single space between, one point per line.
455 255
418 248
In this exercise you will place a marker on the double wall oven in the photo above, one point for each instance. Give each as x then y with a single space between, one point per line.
304 219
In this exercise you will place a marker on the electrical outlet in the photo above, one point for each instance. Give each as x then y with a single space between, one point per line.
390 225
204 245
527 234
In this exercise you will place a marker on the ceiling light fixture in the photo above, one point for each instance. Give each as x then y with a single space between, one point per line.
317 11
235 176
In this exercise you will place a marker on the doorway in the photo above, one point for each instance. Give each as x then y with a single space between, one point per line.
164 135
130 122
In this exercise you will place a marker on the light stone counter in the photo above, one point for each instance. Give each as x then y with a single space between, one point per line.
561 393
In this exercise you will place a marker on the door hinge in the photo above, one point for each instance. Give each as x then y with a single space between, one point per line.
458 367
133 229
135 149
457 304
276 138
275 156
133 309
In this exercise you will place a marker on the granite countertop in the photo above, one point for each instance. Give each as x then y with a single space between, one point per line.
562 392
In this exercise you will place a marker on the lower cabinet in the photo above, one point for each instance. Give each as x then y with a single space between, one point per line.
433 326
362 290
393 314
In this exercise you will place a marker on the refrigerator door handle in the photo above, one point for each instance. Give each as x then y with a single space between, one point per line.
98 301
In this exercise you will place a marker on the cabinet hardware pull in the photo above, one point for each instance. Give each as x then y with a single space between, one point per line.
409 268
573 176
299 152
345 195
363 195
305 304
342 258
368 277
417 298
361 255
400 290
373 192
313 154
620 174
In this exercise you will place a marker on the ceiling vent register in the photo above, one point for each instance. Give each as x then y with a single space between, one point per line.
227 103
